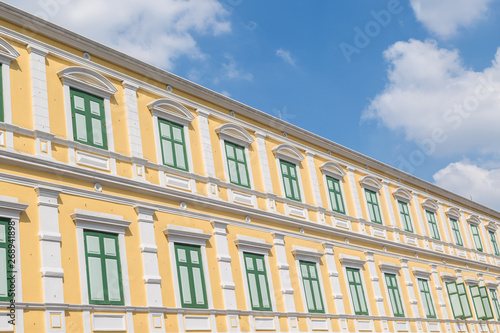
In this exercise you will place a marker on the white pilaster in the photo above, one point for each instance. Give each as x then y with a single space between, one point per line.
206 152
264 162
409 287
50 251
445 224
152 278
334 278
439 289
226 275
465 229
354 191
314 178
420 219
390 210
372 269
485 238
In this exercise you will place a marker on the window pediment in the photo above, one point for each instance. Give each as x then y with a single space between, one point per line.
402 195
448 277
171 110
474 219
421 273
387 267
235 133
7 52
430 205
351 261
370 183
332 169
288 153
306 254
179 234
87 80
492 226
99 221
453 213
252 244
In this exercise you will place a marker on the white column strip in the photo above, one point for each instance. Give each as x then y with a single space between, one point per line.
439 289
420 219
372 269
40 101
206 145
390 210
264 162
354 192
444 223
314 179
334 278
134 129
409 287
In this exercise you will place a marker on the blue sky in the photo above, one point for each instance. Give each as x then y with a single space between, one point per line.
412 83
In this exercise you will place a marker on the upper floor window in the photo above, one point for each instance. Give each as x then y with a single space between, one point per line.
456 232
312 289
373 206
431 220
404 212
173 145
459 300
7 54
89 123
335 192
190 276
477 238
290 180
237 164
481 302
494 242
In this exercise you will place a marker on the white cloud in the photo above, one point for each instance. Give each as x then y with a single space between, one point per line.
444 17
231 70
471 181
154 31
286 56
435 100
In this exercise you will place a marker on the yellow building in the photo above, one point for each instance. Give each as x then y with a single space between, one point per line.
132 200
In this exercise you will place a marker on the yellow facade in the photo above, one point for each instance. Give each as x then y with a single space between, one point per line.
197 245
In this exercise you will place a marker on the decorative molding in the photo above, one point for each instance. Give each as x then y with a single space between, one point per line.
306 254
421 273
474 219
332 169
471 281
402 194
88 80
447 277
252 244
288 152
99 221
430 205
351 261
7 52
10 207
387 267
186 235
453 213
370 183
171 110
492 226
235 133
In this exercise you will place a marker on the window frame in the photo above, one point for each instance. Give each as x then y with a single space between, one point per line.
225 143
482 298
455 228
5 222
479 247
426 297
494 242
255 256
373 194
495 301
171 141
335 194
314 265
433 225
393 290
405 217
289 164
361 285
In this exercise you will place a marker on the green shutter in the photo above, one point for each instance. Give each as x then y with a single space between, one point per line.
190 276
455 303
290 180
357 292
173 146
373 206
335 192
89 120
496 303
494 243
2 108
257 281
476 237
405 216
237 164
394 295
6 267
425 294
103 268
481 302
431 220
456 232
312 288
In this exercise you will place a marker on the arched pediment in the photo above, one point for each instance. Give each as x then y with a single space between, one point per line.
235 133
288 152
402 194
7 52
87 80
453 213
171 110
370 183
332 169
492 226
474 219
430 205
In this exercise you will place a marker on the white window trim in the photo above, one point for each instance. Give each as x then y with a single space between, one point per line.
256 246
348 261
309 255
389 268
335 171
176 113
7 54
423 274
189 236
244 139
102 222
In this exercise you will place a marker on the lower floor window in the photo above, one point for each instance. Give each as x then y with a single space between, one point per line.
4 259
103 268
481 302
312 288
190 275
257 281
458 299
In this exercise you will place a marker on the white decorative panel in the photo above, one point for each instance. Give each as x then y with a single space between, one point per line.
296 211
4 322
242 198
379 232
264 323
438 247
319 324
402 326
178 182
481 257
364 325
461 253
197 323
2 138
94 161
105 322
433 327
484 327
411 240
461 327
341 223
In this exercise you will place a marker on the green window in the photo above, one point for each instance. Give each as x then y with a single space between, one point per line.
476 237
494 243
456 232
257 282
1 96
373 207
494 299
290 180
425 294
173 145
312 289
357 292
458 300
5 266
431 219
103 268
404 212
394 295
481 302
89 123
237 164
335 192
190 276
